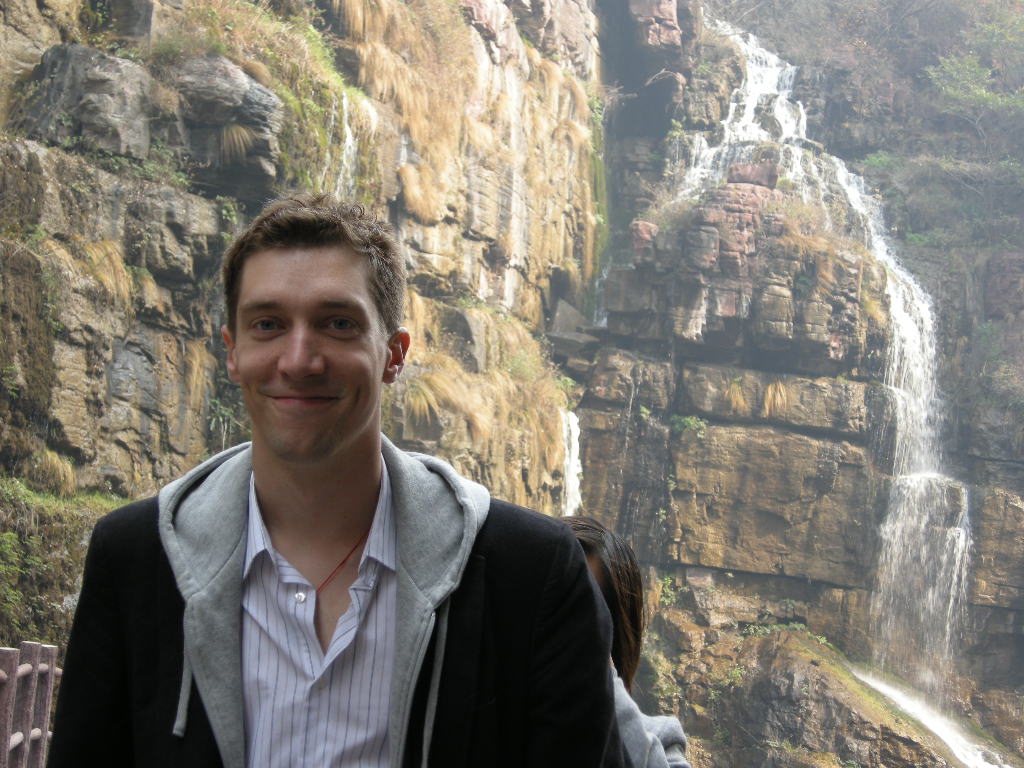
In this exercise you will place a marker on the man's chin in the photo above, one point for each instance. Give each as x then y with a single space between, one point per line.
301 452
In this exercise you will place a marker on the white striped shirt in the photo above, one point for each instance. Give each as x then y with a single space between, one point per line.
304 707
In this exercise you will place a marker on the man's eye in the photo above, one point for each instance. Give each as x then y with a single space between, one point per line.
341 324
264 325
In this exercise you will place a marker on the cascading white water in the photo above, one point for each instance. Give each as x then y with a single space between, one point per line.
345 187
340 131
917 608
573 468
918 604
965 749
760 111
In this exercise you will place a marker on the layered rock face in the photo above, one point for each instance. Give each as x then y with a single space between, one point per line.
709 460
131 162
111 357
734 421
139 136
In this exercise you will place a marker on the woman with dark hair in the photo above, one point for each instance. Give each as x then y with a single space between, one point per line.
650 742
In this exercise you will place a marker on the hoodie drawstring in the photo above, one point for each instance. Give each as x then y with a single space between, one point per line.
435 679
181 716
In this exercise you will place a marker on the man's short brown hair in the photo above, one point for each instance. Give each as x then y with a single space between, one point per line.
307 220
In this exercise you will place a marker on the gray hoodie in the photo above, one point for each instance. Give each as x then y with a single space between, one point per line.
202 523
650 741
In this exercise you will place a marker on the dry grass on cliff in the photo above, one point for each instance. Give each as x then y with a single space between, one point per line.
106 265
576 136
363 20
808 236
776 400
418 56
558 115
49 472
421 192
735 396
528 384
511 409
282 52
235 142
200 367
443 388
479 135
288 56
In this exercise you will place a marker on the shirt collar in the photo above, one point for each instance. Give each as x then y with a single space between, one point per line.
381 544
257 539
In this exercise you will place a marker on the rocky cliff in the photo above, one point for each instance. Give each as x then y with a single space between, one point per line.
138 136
724 356
734 420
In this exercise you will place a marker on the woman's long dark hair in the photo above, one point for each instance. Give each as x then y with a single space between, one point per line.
618 576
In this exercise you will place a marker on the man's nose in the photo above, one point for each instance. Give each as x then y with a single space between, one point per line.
301 355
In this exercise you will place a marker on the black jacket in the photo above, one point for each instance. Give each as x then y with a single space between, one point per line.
524 678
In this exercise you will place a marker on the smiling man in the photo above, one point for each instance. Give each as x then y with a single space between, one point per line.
318 597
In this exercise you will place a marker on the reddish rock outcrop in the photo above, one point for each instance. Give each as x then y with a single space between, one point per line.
762 174
657 23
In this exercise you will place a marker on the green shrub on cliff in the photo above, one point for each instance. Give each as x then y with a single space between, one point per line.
42 546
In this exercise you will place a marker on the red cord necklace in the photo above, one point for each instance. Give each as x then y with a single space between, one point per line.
344 560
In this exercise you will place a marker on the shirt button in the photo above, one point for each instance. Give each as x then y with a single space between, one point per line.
300 597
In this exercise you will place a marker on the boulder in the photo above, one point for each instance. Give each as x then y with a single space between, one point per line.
572 346
568 319
766 501
138 18
233 122
657 23
563 29
84 97
761 174
643 235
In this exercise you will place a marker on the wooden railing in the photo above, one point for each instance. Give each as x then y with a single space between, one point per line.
27 675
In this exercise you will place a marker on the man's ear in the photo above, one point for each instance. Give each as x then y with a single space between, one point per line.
398 347
229 342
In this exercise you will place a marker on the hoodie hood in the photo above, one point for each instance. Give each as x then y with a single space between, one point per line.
202 522
438 514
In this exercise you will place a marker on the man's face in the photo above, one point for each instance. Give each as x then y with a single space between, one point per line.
310 353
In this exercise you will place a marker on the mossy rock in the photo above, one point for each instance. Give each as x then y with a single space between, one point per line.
43 540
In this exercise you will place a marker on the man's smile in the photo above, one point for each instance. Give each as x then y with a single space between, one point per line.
299 400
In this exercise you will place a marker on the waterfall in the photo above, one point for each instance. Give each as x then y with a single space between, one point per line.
343 186
918 605
917 608
760 112
573 468
345 183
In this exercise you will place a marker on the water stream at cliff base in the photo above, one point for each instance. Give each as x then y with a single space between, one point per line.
963 747
572 497
917 608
